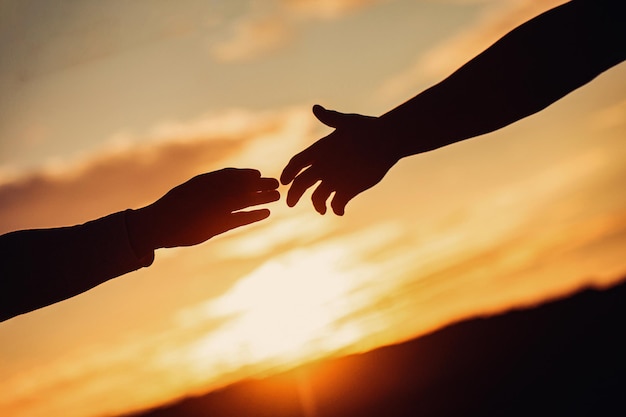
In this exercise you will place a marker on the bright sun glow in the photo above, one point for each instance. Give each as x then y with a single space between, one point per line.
284 311
296 307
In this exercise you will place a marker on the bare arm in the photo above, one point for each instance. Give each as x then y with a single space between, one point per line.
531 67
528 69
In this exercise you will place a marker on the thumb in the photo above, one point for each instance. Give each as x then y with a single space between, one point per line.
328 117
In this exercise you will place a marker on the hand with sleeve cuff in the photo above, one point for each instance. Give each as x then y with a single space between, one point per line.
205 206
39 267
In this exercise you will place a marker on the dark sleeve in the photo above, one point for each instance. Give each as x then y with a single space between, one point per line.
41 267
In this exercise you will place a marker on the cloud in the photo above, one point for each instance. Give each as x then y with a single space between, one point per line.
253 37
261 32
292 306
463 1
122 175
610 117
293 228
326 9
39 37
497 19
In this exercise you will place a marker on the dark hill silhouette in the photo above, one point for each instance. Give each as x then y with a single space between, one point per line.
562 358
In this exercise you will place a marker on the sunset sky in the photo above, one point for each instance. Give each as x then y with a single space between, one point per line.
106 105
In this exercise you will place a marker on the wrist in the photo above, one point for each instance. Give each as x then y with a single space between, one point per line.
398 136
422 124
140 232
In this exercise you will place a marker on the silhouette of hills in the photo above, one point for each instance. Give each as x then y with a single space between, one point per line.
562 358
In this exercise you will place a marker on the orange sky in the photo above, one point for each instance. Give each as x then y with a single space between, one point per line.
100 113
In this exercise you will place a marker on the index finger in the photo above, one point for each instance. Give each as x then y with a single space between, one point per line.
248 179
261 184
234 177
266 184
255 199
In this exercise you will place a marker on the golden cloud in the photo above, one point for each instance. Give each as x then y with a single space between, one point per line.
254 37
260 33
68 34
610 117
326 9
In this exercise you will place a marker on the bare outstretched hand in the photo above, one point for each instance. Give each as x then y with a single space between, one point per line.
350 160
203 207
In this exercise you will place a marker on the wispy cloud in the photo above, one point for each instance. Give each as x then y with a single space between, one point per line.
265 30
40 37
293 228
253 37
613 116
326 9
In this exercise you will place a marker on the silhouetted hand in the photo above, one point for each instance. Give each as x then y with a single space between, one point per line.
347 162
205 206
525 71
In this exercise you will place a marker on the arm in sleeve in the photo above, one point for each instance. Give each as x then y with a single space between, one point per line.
43 266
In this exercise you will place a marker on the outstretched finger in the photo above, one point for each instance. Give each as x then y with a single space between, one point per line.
319 197
302 183
265 184
295 165
339 202
242 218
240 181
254 199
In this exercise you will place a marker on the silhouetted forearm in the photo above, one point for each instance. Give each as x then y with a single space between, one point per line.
44 266
525 71
41 267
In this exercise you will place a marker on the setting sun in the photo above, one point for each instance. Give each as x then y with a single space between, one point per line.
296 307
285 311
